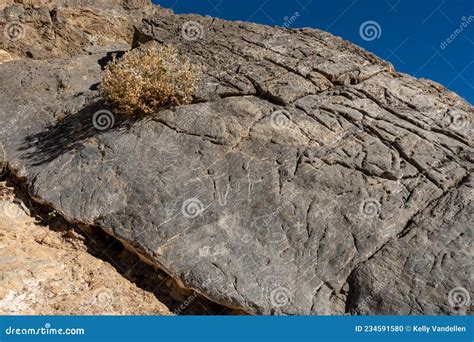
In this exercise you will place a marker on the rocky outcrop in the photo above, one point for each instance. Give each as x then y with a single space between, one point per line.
61 28
307 178
46 272
52 267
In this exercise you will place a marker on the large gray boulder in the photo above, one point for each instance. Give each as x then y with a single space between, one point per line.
307 178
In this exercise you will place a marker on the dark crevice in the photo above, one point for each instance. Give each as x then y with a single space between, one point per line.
105 247
451 135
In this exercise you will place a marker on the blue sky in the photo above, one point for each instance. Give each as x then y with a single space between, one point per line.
412 34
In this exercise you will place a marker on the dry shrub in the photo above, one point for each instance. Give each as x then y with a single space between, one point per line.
149 78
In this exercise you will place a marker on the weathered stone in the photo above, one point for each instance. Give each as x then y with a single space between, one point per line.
4 57
46 272
427 268
62 28
303 173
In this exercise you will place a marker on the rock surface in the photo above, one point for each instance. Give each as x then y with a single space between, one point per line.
46 272
61 28
307 178
51 267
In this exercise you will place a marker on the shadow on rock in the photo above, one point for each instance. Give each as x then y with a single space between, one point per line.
69 133
109 57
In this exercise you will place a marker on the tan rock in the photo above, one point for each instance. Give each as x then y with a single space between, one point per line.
43 273
61 28
4 57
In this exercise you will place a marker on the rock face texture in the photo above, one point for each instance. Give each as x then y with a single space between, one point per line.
307 178
47 273
51 267
61 28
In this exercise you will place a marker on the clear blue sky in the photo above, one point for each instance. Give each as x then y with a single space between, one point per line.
413 33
